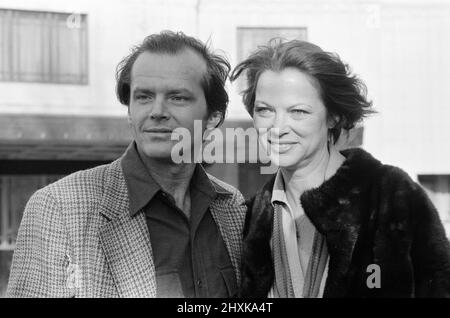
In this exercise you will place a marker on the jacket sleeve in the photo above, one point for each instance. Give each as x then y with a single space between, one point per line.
39 262
430 249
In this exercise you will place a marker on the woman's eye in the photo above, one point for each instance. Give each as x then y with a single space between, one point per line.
298 112
263 111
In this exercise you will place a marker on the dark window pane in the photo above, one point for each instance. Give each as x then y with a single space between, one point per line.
44 47
5 265
438 189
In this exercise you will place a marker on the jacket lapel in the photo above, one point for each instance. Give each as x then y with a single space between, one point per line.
339 220
337 210
341 238
125 240
257 263
230 226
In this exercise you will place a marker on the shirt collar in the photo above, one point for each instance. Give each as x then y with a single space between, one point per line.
201 182
334 162
140 184
278 191
142 187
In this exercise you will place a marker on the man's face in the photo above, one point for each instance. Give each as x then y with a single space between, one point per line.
165 94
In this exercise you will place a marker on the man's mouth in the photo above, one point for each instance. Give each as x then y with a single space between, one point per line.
158 130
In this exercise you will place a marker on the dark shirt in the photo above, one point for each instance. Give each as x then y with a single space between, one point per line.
190 256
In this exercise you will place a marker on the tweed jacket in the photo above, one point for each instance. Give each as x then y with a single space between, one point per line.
78 239
372 216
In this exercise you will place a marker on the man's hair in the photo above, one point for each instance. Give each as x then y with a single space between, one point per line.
168 42
343 93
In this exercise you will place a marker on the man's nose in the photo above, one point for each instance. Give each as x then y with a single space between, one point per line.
159 110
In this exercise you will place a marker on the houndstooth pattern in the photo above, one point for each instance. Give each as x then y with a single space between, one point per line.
78 239
229 215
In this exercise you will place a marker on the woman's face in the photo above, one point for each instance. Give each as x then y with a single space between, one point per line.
291 118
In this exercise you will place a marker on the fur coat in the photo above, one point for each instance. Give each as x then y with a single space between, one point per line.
369 213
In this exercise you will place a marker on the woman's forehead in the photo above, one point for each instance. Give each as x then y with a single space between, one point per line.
287 83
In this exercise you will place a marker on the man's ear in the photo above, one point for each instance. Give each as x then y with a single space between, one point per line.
214 120
128 116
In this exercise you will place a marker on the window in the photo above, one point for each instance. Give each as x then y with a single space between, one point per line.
438 189
43 47
250 38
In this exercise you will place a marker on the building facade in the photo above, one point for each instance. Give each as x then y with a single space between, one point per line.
59 112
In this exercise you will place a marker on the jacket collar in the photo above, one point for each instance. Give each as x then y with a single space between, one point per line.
125 240
328 205
335 210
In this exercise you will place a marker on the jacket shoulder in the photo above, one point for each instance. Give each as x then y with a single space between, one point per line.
90 180
403 201
362 170
80 190
397 181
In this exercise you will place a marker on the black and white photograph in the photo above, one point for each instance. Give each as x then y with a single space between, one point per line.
224 149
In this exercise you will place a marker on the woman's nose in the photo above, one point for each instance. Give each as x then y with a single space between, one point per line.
279 126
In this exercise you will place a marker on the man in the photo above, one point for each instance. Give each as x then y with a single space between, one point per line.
141 226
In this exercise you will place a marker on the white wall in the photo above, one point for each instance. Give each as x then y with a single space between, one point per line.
339 26
400 48
413 128
114 26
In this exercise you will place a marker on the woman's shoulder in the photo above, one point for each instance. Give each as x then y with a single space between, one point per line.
363 163
396 176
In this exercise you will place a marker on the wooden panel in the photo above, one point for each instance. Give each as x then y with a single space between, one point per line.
33 137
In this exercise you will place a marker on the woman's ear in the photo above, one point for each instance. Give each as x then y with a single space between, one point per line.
214 120
332 121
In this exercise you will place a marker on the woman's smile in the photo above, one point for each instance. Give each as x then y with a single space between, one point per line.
280 146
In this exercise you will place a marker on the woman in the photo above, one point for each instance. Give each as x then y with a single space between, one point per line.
330 223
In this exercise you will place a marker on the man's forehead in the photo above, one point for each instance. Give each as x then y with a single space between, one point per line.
183 64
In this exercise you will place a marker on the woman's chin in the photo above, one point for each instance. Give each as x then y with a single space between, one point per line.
285 161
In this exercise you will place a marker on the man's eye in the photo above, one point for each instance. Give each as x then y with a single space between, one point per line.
179 98
142 98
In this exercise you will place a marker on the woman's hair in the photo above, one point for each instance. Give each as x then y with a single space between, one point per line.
168 42
343 93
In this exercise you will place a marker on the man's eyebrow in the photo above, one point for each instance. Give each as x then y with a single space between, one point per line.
179 90
142 90
170 91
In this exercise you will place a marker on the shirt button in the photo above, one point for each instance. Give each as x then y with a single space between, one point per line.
199 283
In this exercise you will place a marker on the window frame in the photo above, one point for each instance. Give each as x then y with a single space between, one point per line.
49 76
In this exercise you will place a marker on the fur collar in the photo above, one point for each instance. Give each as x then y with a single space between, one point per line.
335 208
